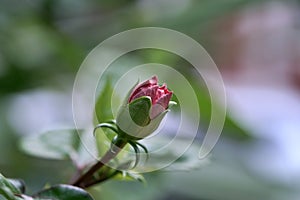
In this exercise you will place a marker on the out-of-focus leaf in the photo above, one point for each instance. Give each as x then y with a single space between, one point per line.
103 113
86 151
172 158
203 11
5 183
58 144
230 129
25 197
6 194
64 192
103 110
68 144
130 176
18 183
8 189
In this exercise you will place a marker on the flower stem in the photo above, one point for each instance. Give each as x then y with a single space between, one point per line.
104 178
85 179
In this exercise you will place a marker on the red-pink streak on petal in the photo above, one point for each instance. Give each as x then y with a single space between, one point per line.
151 92
145 84
164 100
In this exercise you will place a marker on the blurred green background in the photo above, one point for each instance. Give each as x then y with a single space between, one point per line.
255 44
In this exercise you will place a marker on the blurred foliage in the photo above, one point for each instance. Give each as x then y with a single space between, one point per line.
12 189
43 43
68 144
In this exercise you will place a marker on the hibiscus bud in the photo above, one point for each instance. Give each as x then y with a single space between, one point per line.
144 109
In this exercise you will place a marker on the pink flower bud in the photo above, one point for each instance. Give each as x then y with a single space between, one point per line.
143 109
160 95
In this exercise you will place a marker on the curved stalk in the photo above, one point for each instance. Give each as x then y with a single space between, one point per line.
105 125
109 155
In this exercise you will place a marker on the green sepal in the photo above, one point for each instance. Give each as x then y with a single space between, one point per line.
129 129
171 104
139 110
152 126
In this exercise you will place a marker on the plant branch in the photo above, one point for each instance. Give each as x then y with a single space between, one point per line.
109 155
104 178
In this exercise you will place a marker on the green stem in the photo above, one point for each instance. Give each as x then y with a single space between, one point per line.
104 178
109 155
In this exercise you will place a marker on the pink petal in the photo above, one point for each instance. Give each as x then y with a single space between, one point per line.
164 88
164 100
156 110
145 84
151 92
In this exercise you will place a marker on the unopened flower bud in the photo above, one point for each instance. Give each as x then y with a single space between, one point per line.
144 109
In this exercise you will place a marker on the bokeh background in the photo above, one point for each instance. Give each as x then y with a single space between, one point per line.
255 44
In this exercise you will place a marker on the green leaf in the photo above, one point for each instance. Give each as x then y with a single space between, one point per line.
18 183
103 110
231 128
172 157
6 193
103 113
65 144
5 183
25 197
64 192
130 176
139 110
9 188
58 144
